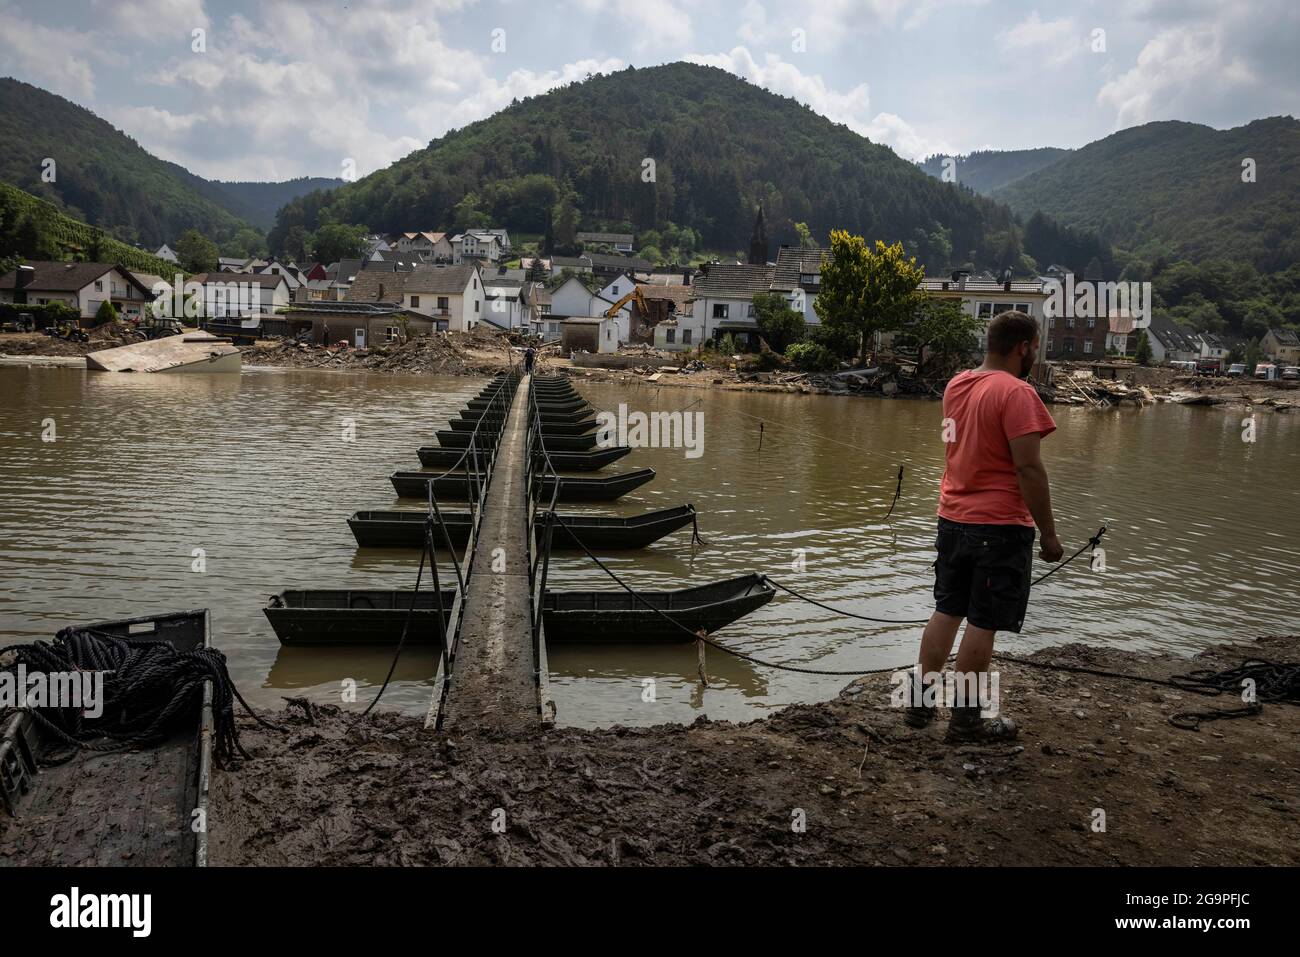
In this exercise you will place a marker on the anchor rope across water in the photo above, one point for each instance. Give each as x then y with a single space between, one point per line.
1274 681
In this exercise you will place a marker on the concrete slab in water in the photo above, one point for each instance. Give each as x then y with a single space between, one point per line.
189 352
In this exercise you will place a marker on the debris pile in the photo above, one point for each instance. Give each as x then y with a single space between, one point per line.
449 353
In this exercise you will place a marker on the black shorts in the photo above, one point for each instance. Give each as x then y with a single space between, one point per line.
982 573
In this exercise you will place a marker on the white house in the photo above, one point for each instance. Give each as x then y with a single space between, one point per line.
243 295
274 267
1170 342
620 242
987 298
476 244
429 246
724 299
798 278
571 298
83 286
681 334
165 252
452 296
506 303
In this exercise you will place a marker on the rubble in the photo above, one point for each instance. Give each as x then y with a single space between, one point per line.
445 353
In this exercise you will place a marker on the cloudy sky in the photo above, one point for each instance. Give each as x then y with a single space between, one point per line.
285 88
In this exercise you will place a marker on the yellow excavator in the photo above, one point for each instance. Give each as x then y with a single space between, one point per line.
633 296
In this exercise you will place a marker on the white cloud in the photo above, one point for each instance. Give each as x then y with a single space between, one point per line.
58 59
1048 41
1177 65
153 18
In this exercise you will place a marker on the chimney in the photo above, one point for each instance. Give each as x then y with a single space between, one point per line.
959 277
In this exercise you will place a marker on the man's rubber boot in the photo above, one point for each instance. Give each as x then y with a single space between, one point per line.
966 726
916 715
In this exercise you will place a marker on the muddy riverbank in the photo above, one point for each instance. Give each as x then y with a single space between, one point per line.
867 789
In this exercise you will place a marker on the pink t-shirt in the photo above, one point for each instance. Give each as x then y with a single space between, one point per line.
983 412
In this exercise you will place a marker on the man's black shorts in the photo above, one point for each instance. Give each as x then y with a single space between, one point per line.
982 573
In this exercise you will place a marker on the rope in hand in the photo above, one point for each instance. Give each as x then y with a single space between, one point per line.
1090 543
151 691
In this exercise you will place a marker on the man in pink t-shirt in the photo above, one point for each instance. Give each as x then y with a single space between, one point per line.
994 491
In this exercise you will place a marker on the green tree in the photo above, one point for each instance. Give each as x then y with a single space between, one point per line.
196 252
106 312
865 290
564 223
780 325
247 243
946 329
805 236
337 241
1143 351
651 254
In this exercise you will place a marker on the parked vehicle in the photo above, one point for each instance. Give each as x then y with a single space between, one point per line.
1291 372
1266 370
1237 369
1209 367
1184 365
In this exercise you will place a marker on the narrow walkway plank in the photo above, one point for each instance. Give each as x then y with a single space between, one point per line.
493 682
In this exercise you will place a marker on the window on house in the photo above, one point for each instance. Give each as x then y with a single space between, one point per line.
546 309
99 285
415 302
984 343
476 305
749 311
1051 322
1092 323
1051 346
670 335
391 333
614 290
984 310
1068 344
686 336
720 310
1009 307
1087 345
1069 322
443 303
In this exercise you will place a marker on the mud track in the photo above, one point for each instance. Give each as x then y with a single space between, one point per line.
872 792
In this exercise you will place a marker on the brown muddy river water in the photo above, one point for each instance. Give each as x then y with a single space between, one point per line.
103 522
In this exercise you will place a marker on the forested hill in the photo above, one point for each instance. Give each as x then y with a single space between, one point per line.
102 176
1174 190
719 146
259 202
987 170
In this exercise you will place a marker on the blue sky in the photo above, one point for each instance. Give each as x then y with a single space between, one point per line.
300 87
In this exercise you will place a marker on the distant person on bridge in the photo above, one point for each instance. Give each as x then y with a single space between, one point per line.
529 356
994 492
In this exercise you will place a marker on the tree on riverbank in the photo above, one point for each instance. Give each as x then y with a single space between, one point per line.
1143 351
866 290
946 329
780 325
